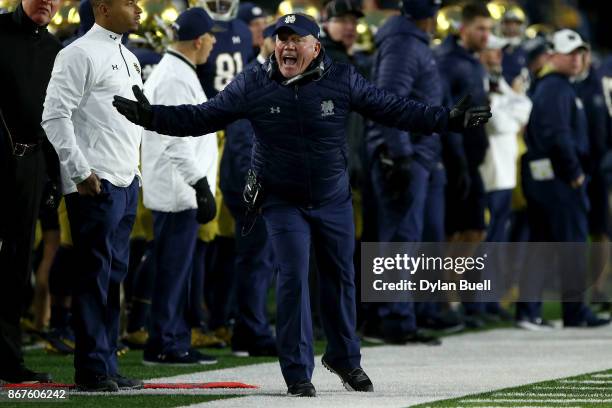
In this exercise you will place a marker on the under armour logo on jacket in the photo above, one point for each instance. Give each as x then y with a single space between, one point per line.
327 108
274 109
115 67
235 40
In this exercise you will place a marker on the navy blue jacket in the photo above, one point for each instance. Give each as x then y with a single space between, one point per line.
236 158
464 74
591 92
229 56
404 64
300 149
557 127
513 62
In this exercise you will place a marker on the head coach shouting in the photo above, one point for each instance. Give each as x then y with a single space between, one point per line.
298 102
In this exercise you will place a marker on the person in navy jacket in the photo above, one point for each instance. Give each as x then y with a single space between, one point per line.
554 172
463 73
298 103
410 192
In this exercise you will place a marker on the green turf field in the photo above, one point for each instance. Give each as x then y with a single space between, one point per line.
589 390
131 365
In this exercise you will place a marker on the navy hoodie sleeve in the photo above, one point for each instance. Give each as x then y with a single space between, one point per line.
188 120
395 111
555 133
396 74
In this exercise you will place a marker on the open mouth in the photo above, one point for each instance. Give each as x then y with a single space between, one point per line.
289 60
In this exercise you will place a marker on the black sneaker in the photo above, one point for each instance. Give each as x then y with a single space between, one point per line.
302 389
98 383
24 375
589 322
174 359
125 383
263 349
353 379
202 358
420 337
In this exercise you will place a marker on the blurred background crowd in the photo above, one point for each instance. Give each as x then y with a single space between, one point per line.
473 188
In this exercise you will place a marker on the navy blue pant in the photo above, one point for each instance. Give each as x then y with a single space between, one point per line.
175 239
292 231
557 213
195 309
499 204
254 269
407 219
100 229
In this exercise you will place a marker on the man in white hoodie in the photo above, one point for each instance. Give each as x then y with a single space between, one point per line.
177 177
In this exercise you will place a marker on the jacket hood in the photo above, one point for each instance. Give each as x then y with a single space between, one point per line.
400 25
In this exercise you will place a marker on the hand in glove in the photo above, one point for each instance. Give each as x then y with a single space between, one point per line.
138 111
396 173
463 116
207 207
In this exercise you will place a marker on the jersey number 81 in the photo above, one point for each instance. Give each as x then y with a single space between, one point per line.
227 66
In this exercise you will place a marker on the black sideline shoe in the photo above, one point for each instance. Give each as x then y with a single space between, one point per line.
302 389
24 375
98 383
353 379
125 383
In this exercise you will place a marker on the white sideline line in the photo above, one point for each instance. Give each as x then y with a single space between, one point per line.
586 381
514 406
510 400
593 388
556 394
602 376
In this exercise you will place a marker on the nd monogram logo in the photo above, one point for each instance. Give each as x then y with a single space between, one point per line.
327 108
290 19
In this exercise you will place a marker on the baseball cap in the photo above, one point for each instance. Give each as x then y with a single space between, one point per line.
192 23
420 9
268 31
566 41
535 47
339 8
299 24
248 12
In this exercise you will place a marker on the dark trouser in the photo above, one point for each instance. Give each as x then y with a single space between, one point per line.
406 220
101 229
254 270
21 195
175 239
499 204
219 281
195 306
557 213
142 286
330 229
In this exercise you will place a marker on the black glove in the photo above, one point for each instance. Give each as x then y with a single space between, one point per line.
396 172
51 195
138 111
462 116
207 207
253 192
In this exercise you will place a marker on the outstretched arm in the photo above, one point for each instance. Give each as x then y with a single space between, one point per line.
186 120
406 114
